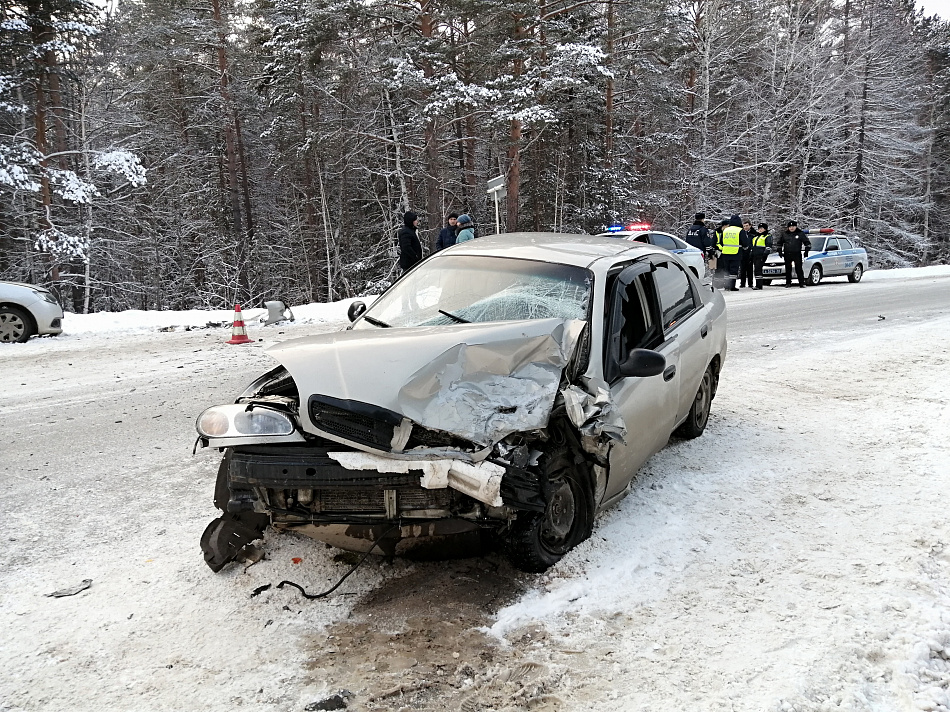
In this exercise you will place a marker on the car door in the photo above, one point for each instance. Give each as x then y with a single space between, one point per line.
683 319
648 405
831 263
847 255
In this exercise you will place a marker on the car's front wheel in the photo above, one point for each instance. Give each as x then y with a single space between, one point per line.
698 416
537 541
856 273
15 325
814 275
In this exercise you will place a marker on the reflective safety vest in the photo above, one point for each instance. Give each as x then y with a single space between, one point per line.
730 240
759 240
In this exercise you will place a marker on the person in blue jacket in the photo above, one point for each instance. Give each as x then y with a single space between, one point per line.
466 229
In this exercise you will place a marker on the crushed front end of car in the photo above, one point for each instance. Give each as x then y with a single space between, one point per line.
390 438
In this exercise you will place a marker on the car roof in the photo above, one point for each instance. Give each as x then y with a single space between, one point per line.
556 247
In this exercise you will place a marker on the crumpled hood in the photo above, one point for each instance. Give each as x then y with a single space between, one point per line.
479 382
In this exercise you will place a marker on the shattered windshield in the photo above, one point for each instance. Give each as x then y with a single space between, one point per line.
460 289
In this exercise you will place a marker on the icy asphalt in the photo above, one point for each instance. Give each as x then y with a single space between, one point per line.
797 556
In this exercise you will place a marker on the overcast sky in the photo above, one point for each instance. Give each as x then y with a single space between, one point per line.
936 7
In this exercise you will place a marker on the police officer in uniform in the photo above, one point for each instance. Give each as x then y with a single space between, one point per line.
745 263
761 247
791 244
732 241
698 235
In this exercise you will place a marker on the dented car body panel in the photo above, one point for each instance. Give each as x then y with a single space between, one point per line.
480 382
512 384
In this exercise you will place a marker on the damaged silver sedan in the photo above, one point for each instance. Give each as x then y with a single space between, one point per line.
508 386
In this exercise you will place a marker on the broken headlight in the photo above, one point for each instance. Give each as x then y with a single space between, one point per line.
233 421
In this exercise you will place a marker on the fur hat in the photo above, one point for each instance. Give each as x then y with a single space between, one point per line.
464 219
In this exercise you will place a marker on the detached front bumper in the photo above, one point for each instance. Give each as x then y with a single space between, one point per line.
306 484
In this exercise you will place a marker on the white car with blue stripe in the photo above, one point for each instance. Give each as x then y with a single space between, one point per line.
689 255
830 256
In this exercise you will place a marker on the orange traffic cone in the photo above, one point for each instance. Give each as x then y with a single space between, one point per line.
238 331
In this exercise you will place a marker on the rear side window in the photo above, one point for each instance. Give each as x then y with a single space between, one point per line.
676 295
663 241
845 244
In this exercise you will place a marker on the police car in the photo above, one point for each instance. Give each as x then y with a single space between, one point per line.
830 256
641 232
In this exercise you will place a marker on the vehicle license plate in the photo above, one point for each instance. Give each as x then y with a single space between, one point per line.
771 271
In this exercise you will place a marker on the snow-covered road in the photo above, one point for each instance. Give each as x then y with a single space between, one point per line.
797 556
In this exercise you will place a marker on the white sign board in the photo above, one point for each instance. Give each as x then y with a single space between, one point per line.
496 183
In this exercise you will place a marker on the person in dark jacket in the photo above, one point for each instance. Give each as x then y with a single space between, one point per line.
698 235
732 241
745 262
761 247
448 233
790 245
410 249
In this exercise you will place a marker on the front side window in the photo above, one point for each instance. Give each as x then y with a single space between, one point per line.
845 244
675 292
832 244
458 289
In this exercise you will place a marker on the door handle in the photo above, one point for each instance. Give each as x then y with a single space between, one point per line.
704 331
669 373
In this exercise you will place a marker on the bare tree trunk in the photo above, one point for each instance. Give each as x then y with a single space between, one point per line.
243 287
433 178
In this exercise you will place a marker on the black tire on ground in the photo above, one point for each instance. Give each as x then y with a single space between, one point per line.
766 282
698 416
856 273
535 541
16 326
814 275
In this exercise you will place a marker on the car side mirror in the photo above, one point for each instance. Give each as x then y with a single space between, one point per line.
355 311
830 248
642 363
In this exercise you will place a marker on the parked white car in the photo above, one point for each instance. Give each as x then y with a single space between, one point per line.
509 385
26 311
691 256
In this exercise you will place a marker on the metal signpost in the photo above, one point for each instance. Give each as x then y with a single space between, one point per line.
497 188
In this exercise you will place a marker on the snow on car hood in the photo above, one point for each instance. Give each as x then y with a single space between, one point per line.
479 382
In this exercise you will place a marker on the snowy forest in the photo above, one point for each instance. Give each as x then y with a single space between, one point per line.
161 154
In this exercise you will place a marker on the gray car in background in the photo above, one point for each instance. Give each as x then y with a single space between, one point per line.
27 311
830 256
508 386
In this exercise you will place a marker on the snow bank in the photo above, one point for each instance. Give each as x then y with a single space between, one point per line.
907 273
136 320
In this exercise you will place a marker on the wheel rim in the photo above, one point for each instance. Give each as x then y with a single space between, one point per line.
11 327
559 517
703 401
858 271
815 274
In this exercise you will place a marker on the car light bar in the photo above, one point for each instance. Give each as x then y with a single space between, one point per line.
633 227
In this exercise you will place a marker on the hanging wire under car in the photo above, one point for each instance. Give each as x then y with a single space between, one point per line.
314 596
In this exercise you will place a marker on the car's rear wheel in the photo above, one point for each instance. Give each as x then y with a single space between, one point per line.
16 326
537 541
856 273
814 275
698 416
